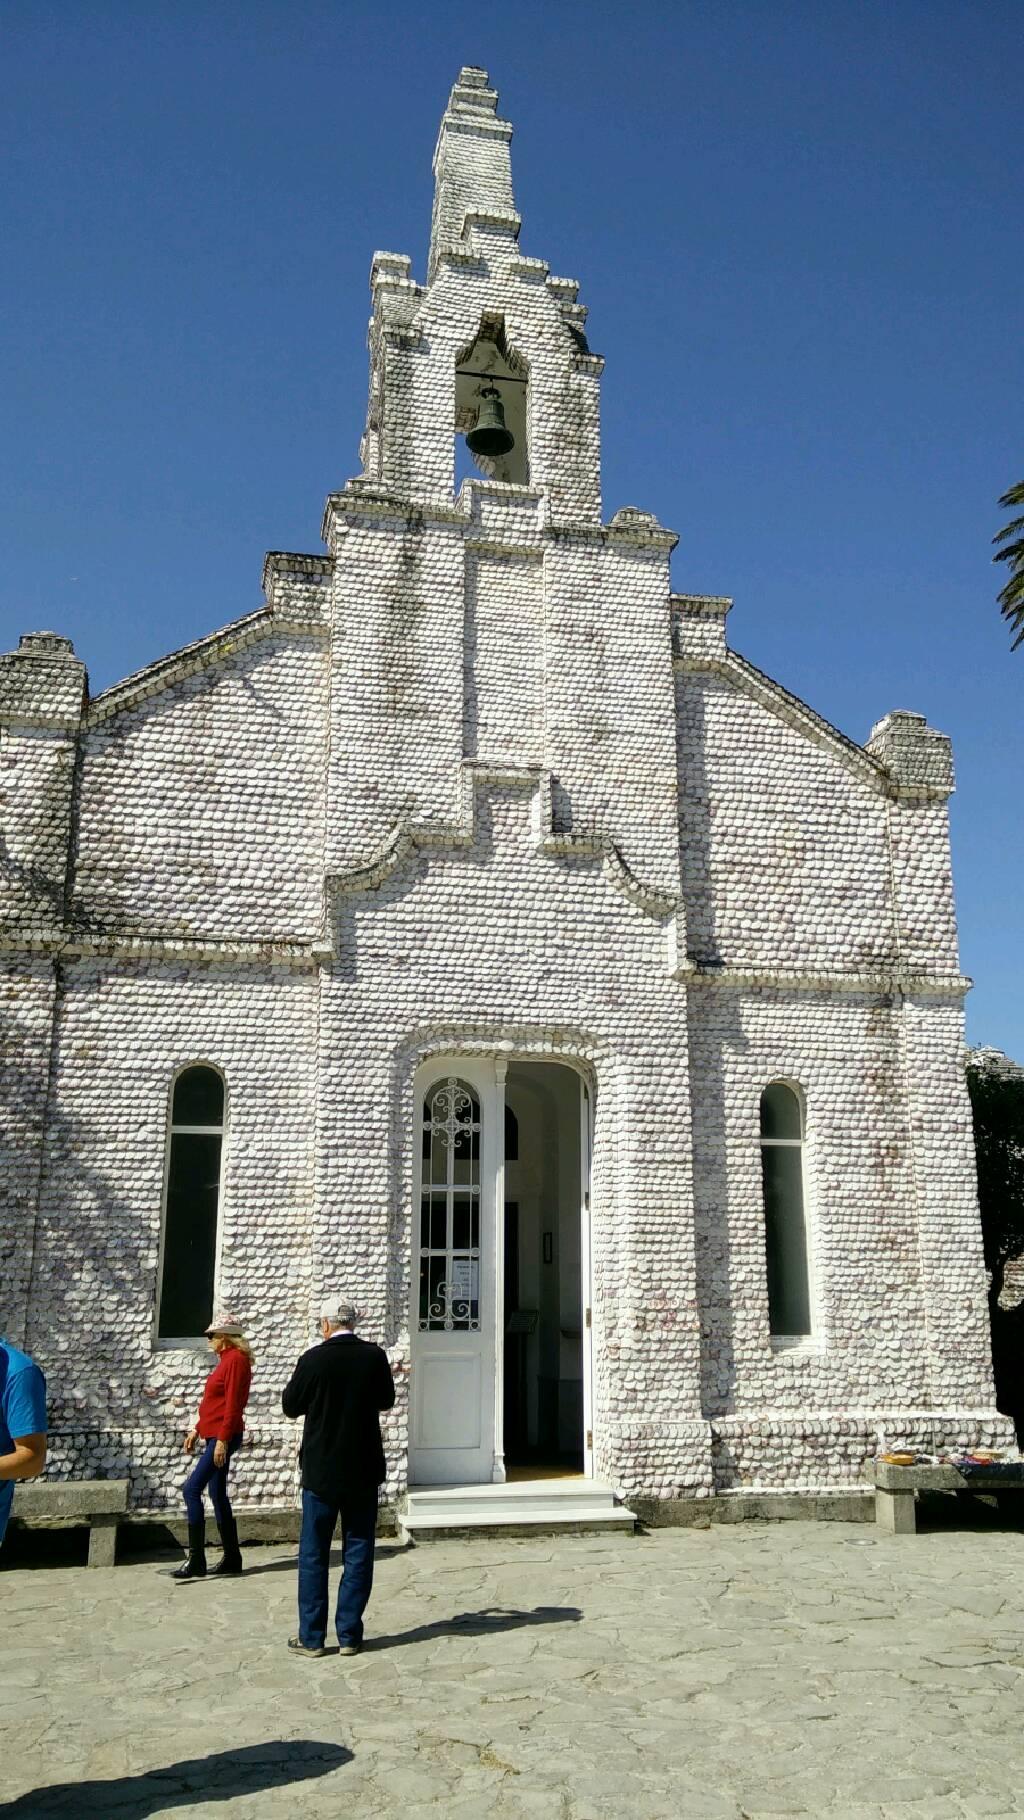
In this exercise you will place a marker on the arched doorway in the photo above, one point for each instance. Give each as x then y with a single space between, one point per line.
500 1315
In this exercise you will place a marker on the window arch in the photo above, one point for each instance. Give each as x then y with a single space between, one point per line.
449 1248
191 1203
782 1175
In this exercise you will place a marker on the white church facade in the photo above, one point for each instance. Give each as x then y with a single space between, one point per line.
471 930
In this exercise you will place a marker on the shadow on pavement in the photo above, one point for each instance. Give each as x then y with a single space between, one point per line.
291 1562
489 1622
945 1510
222 1776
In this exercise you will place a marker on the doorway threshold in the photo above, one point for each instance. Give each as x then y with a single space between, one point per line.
526 1507
525 1475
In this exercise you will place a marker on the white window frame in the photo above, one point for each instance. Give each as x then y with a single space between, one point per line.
813 1341
190 1342
474 1190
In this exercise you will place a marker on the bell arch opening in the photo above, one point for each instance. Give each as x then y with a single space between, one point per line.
492 383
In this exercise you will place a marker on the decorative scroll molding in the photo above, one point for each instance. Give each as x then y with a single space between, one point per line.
408 836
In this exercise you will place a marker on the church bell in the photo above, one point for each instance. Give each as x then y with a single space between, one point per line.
489 437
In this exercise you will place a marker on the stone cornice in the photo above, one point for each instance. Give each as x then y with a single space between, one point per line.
789 708
458 253
700 606
477 126
293 566
266 622
884 983
369 502
404 841
508 221
591 366
526 265
303 956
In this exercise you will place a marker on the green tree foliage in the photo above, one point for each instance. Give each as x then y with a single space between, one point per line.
1011 597
997 1105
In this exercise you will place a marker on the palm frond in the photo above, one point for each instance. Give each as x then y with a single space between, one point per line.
1011 596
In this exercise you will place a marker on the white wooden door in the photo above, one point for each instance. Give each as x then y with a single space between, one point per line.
453 1319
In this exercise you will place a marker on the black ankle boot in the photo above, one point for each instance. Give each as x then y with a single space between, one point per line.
194 1568
230 1562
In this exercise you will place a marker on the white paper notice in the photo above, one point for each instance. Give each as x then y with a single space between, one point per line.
464 1279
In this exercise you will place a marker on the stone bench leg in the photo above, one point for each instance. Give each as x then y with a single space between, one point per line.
102 1541
894 1512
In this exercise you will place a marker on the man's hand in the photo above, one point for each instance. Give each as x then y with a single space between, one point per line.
27 1460
190 1440
220 1453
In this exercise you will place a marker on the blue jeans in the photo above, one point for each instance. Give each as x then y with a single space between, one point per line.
206 1476
358 1526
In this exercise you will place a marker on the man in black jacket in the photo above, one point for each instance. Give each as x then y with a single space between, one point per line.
340 1388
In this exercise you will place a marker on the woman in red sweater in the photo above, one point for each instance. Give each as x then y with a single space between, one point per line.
219 1424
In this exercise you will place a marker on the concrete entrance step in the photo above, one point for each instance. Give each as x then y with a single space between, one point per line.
526 1506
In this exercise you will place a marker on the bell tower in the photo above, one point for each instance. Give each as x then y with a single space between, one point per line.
492 342
500 626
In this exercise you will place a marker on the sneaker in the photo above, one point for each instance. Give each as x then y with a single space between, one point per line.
349 1649
306 1649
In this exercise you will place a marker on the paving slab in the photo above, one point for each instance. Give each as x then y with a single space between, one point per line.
735 1673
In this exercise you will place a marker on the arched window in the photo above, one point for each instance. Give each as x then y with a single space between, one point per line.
511 1135
782 1173
449 1245
192 1204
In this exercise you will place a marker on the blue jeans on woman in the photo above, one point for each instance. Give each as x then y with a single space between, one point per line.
358 1527
205 1476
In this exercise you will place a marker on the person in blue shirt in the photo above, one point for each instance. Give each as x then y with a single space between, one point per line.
22 1423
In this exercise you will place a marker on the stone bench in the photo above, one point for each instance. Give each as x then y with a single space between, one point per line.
896 1487
75 1504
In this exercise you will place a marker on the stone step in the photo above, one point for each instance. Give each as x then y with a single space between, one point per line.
572 1506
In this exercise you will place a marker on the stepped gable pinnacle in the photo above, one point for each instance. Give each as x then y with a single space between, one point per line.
472 163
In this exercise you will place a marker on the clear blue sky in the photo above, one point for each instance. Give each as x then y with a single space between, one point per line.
800 231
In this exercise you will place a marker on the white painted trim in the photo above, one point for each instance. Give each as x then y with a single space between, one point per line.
478 1075
471 1065
500 1077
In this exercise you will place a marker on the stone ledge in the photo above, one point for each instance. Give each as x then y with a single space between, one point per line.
888 1477
755 1507
278 1524
67 1500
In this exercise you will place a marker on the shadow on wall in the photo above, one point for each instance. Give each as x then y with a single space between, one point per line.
120 1269
223 1776
710 1039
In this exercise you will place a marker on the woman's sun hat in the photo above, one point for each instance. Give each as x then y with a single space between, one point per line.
227 1325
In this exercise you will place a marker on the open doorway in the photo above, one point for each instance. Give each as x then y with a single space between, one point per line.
543 1315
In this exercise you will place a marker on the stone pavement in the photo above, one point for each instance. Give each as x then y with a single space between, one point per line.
756 1670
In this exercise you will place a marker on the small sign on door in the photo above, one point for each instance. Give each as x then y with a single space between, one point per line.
464 1280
